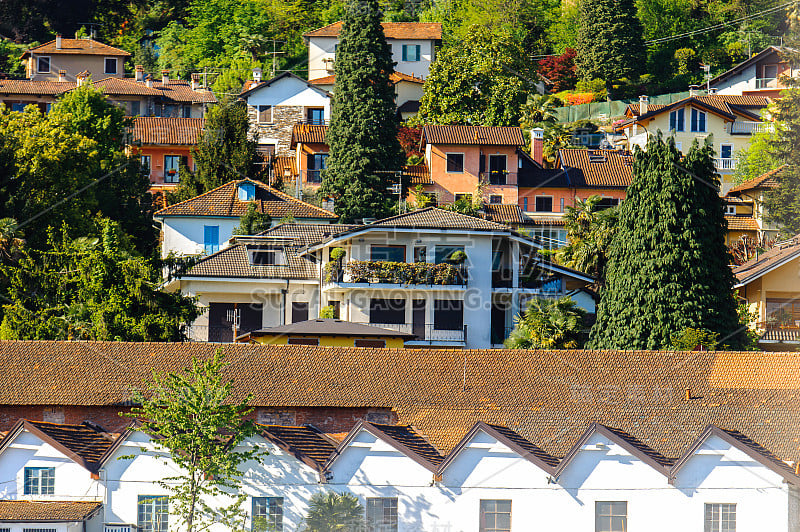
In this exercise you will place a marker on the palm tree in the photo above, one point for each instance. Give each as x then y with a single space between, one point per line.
548 324
334 512
590 229
540 109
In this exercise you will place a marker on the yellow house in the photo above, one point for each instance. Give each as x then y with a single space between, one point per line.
745 206
770 283
327 332
729 120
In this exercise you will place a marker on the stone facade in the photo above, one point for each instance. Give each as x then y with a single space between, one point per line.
284 117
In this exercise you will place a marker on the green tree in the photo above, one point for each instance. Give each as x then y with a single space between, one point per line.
589 234
482 80
548 324
226 152
540 109
90 289
609 41
195 416
668 265
757 158
334 512
783 203
364 151
253 222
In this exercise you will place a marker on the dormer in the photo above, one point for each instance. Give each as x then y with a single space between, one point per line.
266 255
246 191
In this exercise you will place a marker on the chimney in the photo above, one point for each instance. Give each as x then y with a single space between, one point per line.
139 73
81 78
257 75
643 101
693 91
537 145
688 394
195 81
149 81
164 77
58 41
62 74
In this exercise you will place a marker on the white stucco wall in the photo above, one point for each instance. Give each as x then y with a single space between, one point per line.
290 91
321 48
184 235
736 84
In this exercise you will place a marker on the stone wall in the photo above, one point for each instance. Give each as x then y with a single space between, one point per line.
284 117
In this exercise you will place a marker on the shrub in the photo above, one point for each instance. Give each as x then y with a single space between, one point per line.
328 312
685 61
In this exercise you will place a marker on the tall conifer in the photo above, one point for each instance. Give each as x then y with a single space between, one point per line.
364 151
668 264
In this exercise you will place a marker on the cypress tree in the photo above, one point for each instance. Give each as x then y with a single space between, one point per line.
668 264
609 41
364 151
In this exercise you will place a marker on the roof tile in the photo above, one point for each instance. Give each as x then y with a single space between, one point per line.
166 131
597 168
44 512
392 30
473 135
76 47
769 179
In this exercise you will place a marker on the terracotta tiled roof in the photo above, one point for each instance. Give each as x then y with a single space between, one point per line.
281 164
233 261
328 327
306 234
394 77
176 90
544 220
503 213
473 135
597 168
420 175
741 223
411 439
325 80
435 218
76 47
728 106
86 441
308 134
303 442
737 100
392 30
47 512
166 131
634 108
547 397
768 180
27 86
125 87
224 201
779 254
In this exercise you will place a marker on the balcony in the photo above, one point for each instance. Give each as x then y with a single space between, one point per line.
427 332
749 128
119 528
499 177
313 122
399 273
768 83
725 164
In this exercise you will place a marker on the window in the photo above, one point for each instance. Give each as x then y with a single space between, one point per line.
389 311
111 65
549 237
770 72
40 481
388 253
497 169
676 120
606 203
264 114
380 418
153 513
455 163
726 151
53 415
267 514
611 516
420 254
135 108
316 115
43 64
145 163
720 517
730 209
317 162
19 106
210 239
495 516
412 52
544 204
247 191
444 253
382 514
186 111
448 314
299 311
31 530
698 121
266 256
562 205
172 168
369 343
525 204
495 198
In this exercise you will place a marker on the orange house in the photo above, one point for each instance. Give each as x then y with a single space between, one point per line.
310 155
162 144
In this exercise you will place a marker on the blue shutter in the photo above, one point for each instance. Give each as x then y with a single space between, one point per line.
694 120
681 119
418 50
405 52
673 120
702 121
211 239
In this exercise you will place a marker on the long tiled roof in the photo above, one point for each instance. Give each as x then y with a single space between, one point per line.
308 134
224 201
234 261
766 180
741 223
283 163
524 444
435 218
392 30
634 108
38 88
394 77
167 131
176 90
303 441
779 254
473 135
548 397
420 175
728 106
47 512
305 234
597 168
76 47
504 213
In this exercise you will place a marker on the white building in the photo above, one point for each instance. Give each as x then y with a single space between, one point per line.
413 46
759 75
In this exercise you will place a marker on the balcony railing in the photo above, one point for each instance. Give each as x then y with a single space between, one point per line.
402 273
119 528
313 176
547 287
767 83
499 177
725 164
314 122
748 128
426 332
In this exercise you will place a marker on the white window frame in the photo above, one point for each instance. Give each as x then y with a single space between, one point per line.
730 210
105 65
447 160
716 508
543 196
720 150
49 64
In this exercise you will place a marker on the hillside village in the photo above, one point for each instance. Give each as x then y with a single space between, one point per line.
412 266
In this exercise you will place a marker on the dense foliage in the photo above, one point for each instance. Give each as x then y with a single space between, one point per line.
783 204
668 265
589 234
334 512
253 221
548 324
364 151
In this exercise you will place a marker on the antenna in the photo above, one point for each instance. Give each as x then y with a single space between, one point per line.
275 53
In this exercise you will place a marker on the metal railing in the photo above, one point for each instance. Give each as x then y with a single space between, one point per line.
725 164
767 83
748 128
313 122
499 177
427 332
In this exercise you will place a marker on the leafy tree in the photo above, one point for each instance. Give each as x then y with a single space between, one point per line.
226 152
477 81
783 203
90 289
668 265
690 339
548 324
609 41
253 222
334 512
589 234
757 158
538 111
195 416
364 151
560 70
